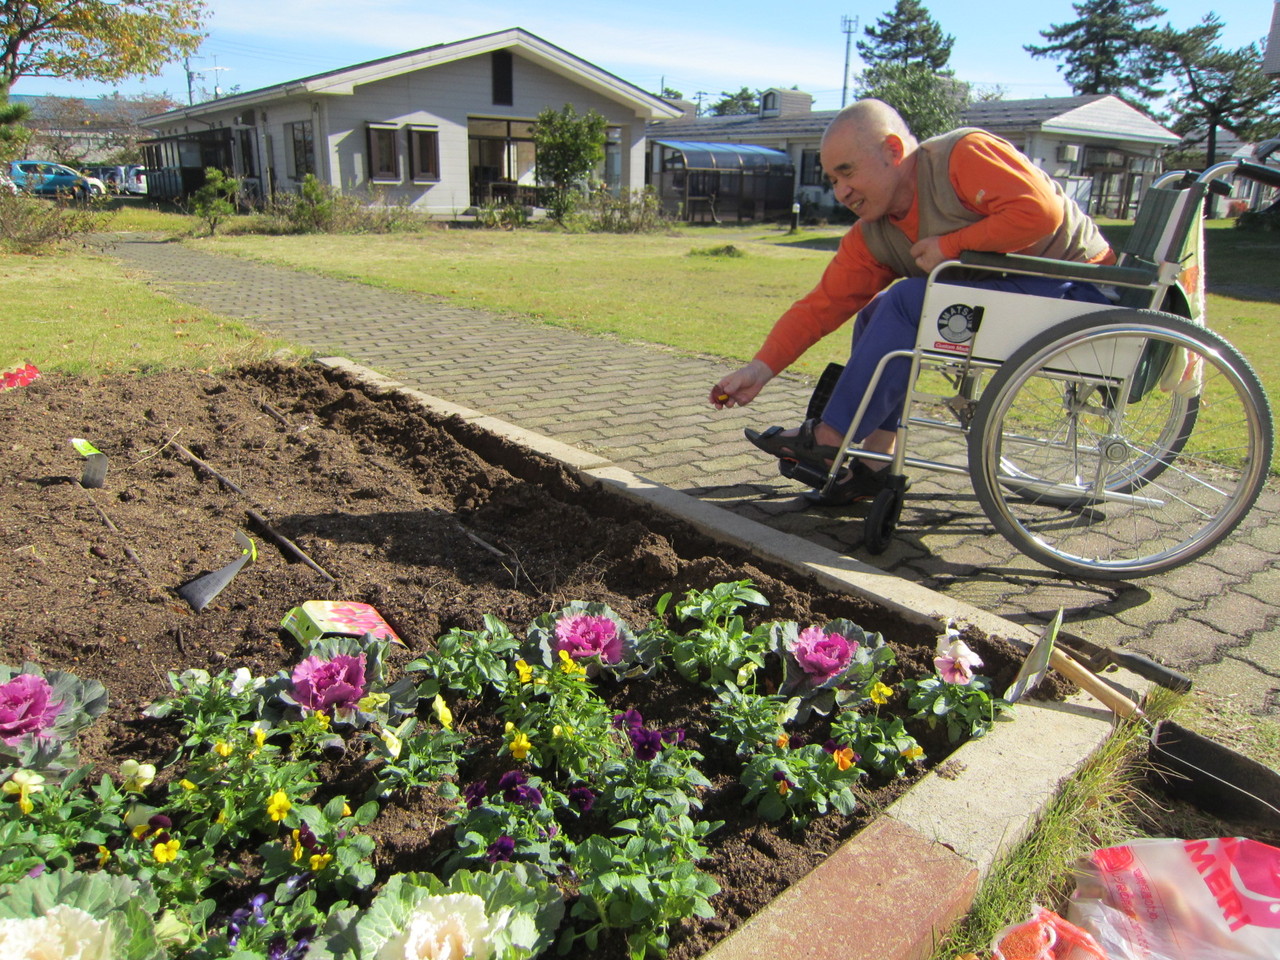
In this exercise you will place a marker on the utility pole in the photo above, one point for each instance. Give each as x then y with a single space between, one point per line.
191 77
849 26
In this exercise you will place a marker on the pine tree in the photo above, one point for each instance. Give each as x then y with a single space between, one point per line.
1108 49
907 35
735 104
1217 88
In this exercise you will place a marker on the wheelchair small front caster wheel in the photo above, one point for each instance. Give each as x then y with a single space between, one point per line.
882 520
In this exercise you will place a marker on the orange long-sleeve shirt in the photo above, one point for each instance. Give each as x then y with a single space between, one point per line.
1017 205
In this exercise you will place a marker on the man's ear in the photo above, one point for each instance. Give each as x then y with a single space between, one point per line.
894 150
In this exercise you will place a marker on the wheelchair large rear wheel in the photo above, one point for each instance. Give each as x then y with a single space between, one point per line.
1092 466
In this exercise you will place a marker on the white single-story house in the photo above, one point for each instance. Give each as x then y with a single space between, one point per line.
441 129
1103 151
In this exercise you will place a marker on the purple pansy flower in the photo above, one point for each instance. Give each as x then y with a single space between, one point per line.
584 797
647 744
822 655
336 684
582 635
26 707
474 793
955 663
500 850
515 788
630 720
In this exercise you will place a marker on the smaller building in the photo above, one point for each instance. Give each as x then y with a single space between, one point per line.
699 182
1103 151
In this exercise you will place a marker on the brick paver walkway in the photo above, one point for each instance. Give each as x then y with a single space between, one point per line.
644 407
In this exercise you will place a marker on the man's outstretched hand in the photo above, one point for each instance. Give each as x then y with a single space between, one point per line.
740 387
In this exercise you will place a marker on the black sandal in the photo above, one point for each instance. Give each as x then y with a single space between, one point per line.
801 448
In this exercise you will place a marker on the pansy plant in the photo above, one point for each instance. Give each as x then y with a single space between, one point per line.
801 781
468 661
957 697
717 647
835 665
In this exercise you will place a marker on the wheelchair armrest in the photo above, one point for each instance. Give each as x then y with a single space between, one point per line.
1068 269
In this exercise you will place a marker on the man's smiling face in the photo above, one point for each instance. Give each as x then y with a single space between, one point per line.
863 173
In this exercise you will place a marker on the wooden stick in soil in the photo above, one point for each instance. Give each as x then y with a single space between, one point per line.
274 535
287 545
128 550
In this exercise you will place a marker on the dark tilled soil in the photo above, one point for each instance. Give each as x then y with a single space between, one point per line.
406 513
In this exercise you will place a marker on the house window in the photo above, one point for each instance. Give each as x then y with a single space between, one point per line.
769 104
503 88
811 174
384 161
424 153
301 156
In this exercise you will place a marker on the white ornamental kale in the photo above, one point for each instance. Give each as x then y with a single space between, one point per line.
62 933
451 926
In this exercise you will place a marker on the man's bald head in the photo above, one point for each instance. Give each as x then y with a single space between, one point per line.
870 122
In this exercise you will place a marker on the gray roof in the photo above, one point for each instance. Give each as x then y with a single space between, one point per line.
1095 115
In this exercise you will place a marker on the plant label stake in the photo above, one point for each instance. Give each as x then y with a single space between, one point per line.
1036 665
328 618
201 591
94 474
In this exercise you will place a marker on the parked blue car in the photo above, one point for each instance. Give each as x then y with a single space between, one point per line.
49 179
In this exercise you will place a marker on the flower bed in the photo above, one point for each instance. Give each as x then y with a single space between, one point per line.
486 556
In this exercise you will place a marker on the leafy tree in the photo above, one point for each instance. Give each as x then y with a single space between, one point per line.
1107 49
907 35
103 40
568 148
1217 88
670 93
736 104
69 129
929 102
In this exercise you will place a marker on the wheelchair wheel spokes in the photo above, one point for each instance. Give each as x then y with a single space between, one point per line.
1132 478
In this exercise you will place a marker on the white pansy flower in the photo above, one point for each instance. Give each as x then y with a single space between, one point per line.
137 776
451 926
392 742
243 680
63 933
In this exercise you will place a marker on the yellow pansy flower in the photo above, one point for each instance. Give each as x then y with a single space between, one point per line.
392 743
520 745
320 860
443 713
880 693
279 805
570 666
259 736
524 671
370 702
346 809
223 749
103 855
23 783
166 852
186 784
913 753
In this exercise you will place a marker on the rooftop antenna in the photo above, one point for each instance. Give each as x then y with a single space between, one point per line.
849 26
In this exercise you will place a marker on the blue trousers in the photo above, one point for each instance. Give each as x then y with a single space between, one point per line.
889 323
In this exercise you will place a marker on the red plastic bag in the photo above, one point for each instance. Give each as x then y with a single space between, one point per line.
1045 936
1157 899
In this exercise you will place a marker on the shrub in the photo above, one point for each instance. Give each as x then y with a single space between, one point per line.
506 216
638 211
214 201
35 225
320 208
1261 221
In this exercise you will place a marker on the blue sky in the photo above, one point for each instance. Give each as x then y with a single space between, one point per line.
690 47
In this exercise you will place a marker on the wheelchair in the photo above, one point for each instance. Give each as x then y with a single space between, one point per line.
1105 441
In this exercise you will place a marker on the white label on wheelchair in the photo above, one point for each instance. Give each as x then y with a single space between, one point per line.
992 324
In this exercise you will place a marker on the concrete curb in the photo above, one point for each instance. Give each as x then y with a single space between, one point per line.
891 891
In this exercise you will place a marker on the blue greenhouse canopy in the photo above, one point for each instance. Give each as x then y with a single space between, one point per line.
725 156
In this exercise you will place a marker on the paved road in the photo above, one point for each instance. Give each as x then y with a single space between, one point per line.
644 407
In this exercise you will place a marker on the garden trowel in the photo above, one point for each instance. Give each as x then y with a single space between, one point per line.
1036 665
94 474
200 591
